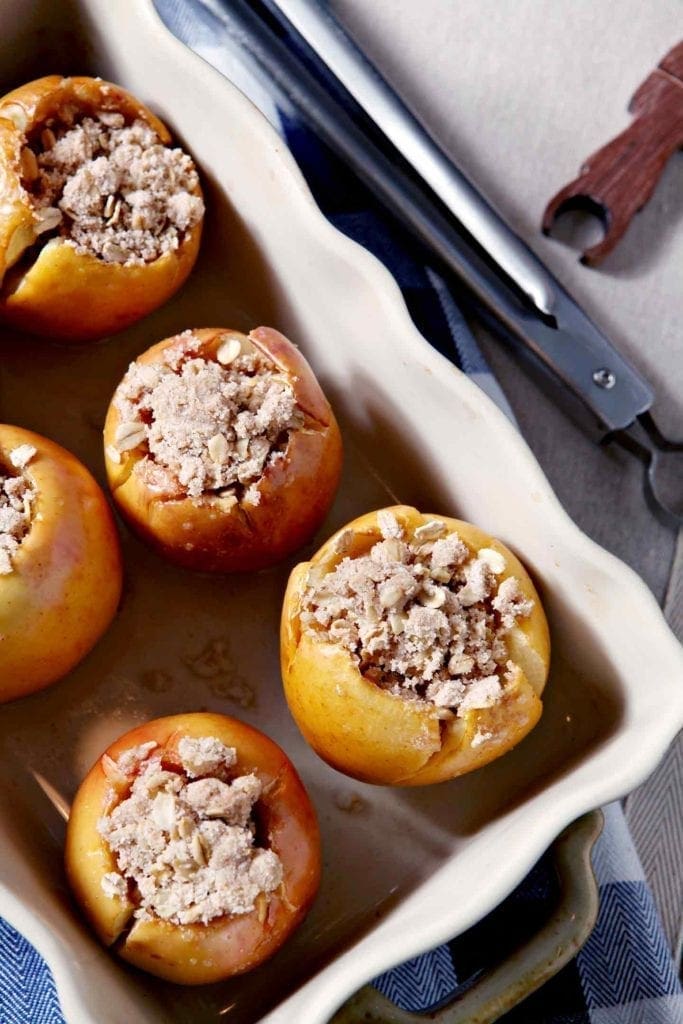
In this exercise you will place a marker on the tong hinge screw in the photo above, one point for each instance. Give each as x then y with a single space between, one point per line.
604 378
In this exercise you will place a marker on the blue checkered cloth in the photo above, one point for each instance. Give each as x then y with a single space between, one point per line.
625 973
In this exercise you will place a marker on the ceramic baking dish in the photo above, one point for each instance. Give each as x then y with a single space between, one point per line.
404 870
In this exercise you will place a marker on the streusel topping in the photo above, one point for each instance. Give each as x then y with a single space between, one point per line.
424 617
17 502
112 189
213 425
185 842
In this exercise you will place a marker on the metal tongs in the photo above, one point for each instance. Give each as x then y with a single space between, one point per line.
607 395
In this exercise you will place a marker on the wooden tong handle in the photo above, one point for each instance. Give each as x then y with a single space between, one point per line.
617 181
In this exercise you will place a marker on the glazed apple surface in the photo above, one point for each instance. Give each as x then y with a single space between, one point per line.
192 848
101 218
221 449
414 648
60 562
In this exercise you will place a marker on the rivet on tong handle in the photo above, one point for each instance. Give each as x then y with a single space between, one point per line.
617 181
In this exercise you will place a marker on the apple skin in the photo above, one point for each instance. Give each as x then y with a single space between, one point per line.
198 954
66 584
64 294
209 535
377 737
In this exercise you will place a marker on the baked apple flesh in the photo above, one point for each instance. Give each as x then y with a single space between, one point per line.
109 186
210 420
98 209
186 841
111 189
192 848
221 448
414 648
60 563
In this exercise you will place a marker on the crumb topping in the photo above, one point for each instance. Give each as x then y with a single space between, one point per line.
424 617
130 759
17 500
213 425
205 756
185 843
112 190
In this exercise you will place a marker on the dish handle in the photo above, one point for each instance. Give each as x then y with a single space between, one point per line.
530 965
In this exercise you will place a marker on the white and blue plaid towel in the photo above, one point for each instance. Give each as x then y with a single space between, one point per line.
625 973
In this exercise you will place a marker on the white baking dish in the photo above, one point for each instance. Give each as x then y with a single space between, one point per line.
409 869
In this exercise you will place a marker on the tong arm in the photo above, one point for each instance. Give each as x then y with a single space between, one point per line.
374 94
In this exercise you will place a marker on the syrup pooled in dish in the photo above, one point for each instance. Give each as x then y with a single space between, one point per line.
414 648
221 448
102 216
192 848
60 563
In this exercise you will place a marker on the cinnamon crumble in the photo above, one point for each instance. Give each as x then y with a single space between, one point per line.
423 616
185 842
17 500
209 426
111 189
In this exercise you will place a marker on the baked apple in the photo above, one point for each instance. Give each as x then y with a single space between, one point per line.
101 217
60 564
414 648
221 449
192 848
